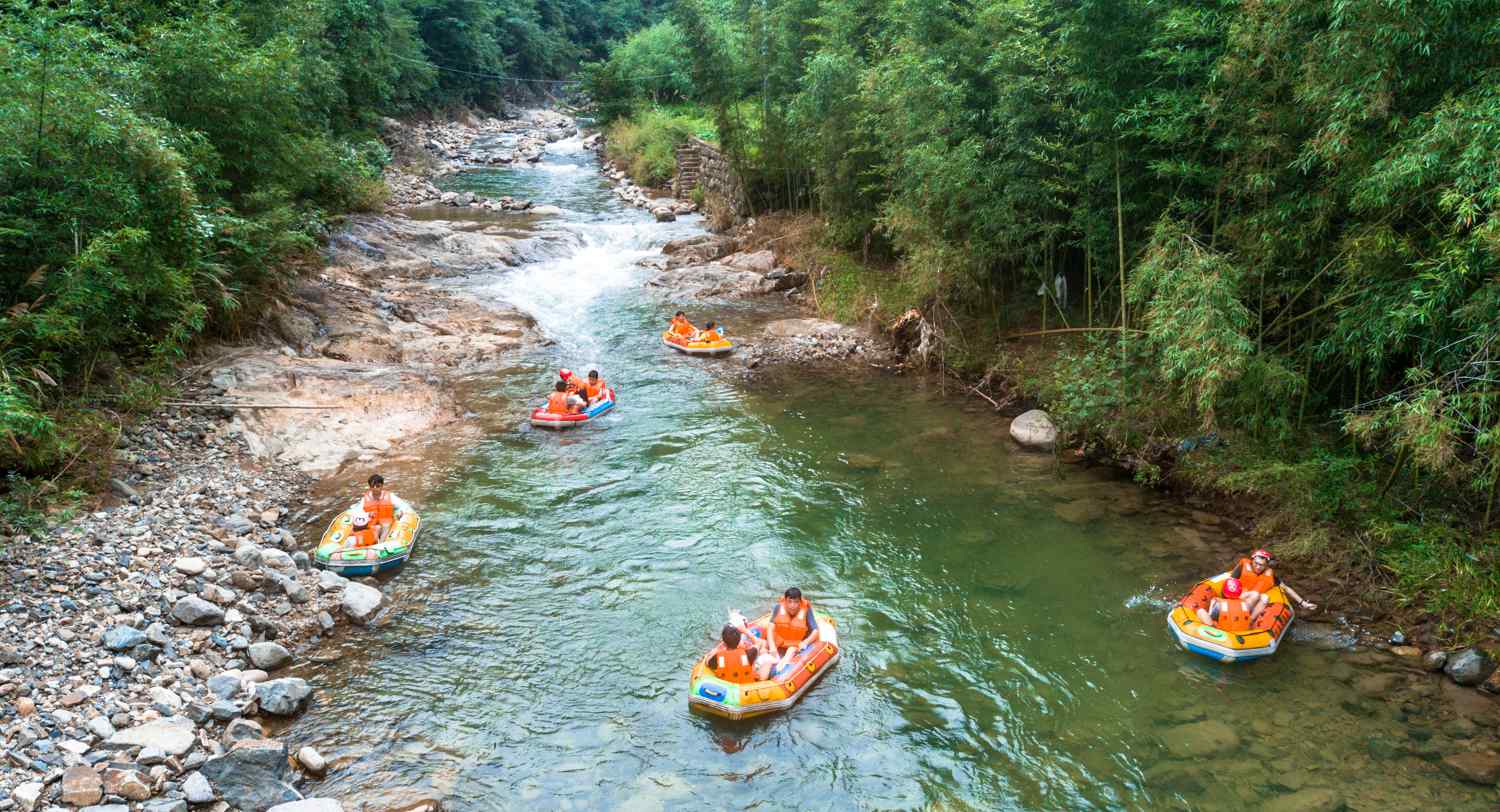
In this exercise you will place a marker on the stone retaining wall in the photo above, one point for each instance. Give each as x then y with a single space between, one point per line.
701 164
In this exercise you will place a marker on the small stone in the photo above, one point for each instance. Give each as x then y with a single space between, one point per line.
25 707
100 726
1398 639
242 730
127 783
1469 667
81 786
269 656
1477 767
1406 651
195 611
151 756
190 565
197 789
178 805
26 795
312 761
1435 660
277 559
166 697
248 554
283 697
270 517
123 638
225 685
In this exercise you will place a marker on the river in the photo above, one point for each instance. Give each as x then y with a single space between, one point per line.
1002 616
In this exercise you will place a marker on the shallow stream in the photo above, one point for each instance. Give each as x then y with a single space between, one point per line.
1003 616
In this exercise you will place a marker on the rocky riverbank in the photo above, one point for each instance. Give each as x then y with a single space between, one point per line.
142 644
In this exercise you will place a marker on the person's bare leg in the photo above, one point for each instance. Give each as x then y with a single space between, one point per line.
1204 618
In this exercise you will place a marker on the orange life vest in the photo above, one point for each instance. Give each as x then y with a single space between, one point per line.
382 510
362 538
1232 616
683 327
557 403
1251 580
594 390
790 629
710 336
733 665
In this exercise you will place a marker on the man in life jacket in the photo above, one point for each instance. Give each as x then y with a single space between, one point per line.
746 658
568 379
681 326
379 504
1258 578
1229 613
594 386
557 402
709 333
792 622
361 534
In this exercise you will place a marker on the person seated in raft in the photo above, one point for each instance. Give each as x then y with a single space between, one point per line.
681 326
578 401
594 386
361 534
746 658
379 504
1257 577
792 623
709 334
557 402
1229 613
569 379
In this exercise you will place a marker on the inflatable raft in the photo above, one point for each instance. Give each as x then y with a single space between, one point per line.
334 552
1214 643
692 347
552 420
708 693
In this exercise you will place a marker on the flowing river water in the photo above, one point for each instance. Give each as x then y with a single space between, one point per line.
1003 617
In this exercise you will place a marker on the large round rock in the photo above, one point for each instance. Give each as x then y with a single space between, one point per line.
1034 429
1469 667
283 697
361 602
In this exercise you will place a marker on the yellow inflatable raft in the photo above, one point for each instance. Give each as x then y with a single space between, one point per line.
1226 646
708 693
334 552
692 347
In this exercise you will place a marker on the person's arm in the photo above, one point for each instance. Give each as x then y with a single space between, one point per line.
1292 593
771 627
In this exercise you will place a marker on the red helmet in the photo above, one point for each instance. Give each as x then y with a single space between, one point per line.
1262 553
1232 588
565 373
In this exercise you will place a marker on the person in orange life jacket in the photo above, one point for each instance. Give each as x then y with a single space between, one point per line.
792 622
594 386
1257 577
361 534
746 658
709 333
1230 612
578 401
569 379
681 326
378 502
557 402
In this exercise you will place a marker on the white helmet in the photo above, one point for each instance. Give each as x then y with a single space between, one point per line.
360 517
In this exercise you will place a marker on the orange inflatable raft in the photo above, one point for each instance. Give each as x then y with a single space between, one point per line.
708 693
1260 640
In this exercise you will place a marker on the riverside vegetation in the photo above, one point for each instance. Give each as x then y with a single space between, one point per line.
167 170
1274 222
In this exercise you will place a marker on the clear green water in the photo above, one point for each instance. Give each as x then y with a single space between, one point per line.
1003 618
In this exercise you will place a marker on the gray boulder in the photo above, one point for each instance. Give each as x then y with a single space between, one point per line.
173 736
361 602
253 776
197 789
1034 429
1469 667
283 697
269 656
123 638
195 611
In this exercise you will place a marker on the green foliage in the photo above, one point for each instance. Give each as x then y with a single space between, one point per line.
646 144
652 66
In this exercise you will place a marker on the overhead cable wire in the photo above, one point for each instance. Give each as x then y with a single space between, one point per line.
500 77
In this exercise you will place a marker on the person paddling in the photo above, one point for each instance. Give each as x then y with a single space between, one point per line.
1258 579
792 622
380 504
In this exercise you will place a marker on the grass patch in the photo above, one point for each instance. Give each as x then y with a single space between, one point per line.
645 144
